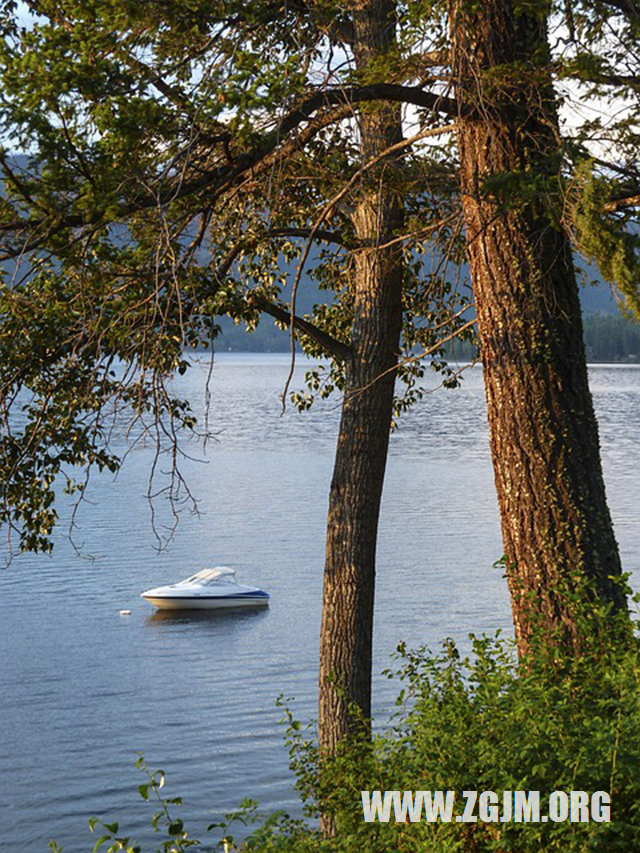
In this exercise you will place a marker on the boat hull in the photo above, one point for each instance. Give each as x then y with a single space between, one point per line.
207 602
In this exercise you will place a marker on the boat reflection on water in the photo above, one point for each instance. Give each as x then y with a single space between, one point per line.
219 616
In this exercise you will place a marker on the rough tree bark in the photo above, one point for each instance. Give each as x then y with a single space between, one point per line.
356 487
559 543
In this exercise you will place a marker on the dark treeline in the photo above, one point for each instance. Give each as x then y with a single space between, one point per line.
611 338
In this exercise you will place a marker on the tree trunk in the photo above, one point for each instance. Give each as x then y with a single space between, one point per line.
559 544
356 487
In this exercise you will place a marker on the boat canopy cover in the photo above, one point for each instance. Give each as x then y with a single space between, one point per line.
207 576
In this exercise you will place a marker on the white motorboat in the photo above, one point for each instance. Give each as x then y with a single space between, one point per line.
208 589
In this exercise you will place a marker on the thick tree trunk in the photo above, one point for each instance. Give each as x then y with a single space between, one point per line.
558 537
356 487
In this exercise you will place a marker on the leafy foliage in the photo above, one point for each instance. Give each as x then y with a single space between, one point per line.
598 66
604 240
179 163
183 161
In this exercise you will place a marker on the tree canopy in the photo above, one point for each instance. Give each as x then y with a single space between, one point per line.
174 155
176 158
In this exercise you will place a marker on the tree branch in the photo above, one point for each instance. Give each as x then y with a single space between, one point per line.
333 346
242 245
628 7
222 178
615 204
415 95
324 236
631 80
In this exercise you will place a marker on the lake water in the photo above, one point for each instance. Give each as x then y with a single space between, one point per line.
85 689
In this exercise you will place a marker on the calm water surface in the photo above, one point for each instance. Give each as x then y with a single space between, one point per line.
84 689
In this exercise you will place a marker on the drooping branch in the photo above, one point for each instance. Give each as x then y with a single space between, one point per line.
332 346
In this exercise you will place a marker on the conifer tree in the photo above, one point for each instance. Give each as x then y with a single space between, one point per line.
519 209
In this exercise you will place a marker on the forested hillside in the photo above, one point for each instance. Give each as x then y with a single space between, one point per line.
609 336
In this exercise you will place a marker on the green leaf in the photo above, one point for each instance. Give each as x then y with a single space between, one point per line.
175 827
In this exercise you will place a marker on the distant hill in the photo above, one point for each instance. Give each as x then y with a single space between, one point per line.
596 297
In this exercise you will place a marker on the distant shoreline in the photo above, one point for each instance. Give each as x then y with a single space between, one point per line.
610 338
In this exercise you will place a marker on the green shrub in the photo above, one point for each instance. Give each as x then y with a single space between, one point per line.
482 723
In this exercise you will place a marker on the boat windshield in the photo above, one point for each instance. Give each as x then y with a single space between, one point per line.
207 577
